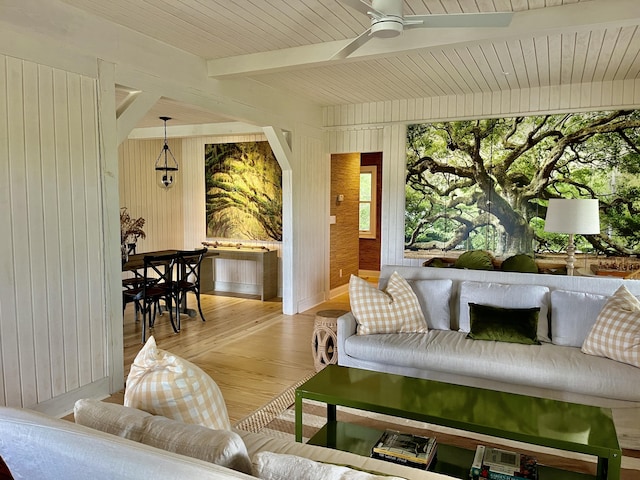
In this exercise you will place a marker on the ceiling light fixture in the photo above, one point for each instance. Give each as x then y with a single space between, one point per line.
166 164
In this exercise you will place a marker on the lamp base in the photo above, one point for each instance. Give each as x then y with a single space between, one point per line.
571 257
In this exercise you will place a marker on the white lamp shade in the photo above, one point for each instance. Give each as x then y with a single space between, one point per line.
573 215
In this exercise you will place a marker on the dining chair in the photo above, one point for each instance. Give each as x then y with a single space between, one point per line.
134 282
189 263
160 285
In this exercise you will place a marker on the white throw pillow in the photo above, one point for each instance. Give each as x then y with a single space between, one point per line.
222 447
394 310
572 316
616 333
165 384
434 297
505 296
280 466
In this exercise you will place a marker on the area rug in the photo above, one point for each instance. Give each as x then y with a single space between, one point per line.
277 419
258 420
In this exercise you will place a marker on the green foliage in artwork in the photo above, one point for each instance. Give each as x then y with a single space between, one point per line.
485 184
243 191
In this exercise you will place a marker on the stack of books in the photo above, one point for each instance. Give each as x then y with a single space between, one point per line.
405 449
497 464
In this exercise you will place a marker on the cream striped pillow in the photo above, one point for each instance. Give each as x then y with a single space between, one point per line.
164 384
616 333
394 310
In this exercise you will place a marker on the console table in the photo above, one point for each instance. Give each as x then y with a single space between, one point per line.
267 272
500 414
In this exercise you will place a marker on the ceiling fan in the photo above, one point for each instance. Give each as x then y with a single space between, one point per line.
387 21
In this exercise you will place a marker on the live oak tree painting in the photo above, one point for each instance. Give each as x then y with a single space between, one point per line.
485 184
243 189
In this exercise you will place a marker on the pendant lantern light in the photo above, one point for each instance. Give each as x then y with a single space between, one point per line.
166 164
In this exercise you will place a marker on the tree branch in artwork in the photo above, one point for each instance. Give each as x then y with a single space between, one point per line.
243 191
485 183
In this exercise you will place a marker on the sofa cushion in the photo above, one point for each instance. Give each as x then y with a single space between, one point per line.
393 310
261 442
545 366
222 447
165 384
505 296
513 325
278 466
125 422
434 297
616 333
572 316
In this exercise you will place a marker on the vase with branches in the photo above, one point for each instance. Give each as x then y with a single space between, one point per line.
130 231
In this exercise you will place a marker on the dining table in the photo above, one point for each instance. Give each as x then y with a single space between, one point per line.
135 262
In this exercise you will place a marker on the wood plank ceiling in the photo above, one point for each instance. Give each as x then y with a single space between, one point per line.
549 42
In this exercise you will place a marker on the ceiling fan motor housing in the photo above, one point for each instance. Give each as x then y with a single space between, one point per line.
386 27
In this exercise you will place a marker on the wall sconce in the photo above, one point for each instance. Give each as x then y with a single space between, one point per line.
572 215
166 164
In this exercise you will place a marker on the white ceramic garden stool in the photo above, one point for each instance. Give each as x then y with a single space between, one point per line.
324 342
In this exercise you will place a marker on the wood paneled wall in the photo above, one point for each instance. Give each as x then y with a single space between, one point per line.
307 231
344 254
140 193
381 126
52 305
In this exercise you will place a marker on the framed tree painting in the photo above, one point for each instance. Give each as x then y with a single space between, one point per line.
485 184
243 191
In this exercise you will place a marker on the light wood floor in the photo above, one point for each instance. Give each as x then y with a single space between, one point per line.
247 346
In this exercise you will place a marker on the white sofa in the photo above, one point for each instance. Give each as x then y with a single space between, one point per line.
554 369
35 446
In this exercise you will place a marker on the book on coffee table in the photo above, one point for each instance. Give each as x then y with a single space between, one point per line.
405 448
498 464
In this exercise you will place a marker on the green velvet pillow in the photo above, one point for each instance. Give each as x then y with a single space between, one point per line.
475 260
513 325
520 263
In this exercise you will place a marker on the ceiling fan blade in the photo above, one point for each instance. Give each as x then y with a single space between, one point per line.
453 20
355 44
359 5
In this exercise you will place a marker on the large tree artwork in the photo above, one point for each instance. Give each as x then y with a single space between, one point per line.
243 188
486 183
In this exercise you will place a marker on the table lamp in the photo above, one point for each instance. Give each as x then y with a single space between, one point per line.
572 215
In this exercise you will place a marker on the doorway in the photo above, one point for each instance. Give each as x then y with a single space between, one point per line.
351 252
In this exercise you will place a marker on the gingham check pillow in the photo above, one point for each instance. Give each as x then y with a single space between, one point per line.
616 333
395 310
164 384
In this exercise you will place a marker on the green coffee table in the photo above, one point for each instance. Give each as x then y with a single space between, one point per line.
505 415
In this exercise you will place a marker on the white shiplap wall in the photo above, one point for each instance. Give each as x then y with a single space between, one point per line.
52 304
310 212
380 126
143 197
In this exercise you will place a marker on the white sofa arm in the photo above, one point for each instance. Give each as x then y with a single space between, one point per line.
346 327
66 450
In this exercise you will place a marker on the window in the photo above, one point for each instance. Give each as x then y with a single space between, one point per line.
368 202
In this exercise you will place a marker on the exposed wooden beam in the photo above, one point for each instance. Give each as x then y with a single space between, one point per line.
132 110
200 130
576 17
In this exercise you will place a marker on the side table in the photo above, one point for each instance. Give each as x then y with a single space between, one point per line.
324 343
